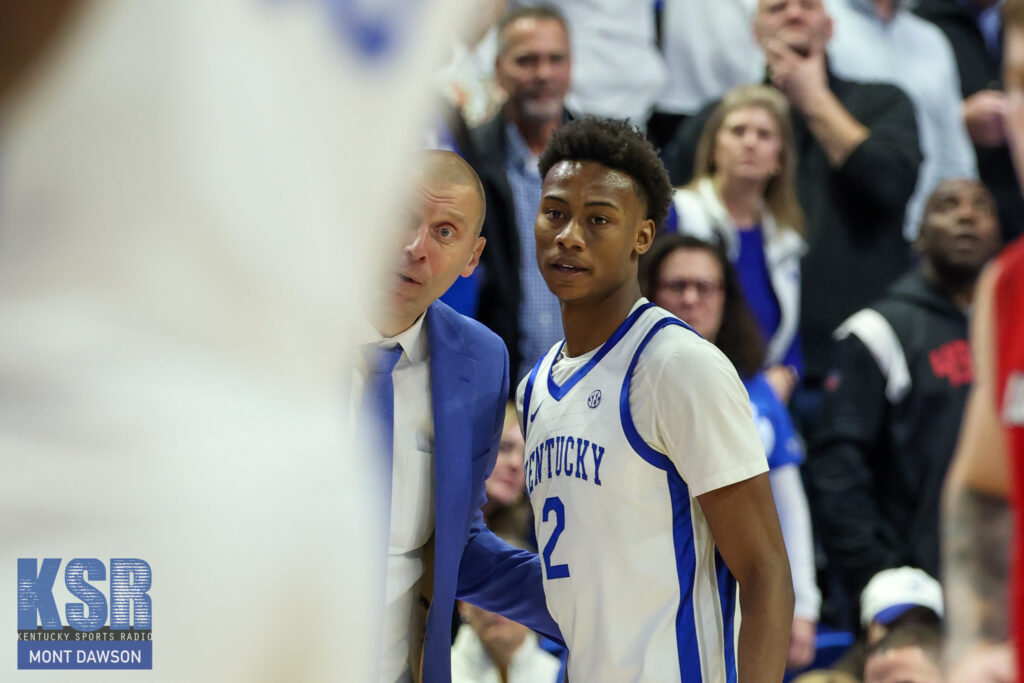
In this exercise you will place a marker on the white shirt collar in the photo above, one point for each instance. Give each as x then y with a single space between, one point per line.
412 340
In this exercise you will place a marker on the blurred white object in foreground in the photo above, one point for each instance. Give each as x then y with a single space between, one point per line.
193 196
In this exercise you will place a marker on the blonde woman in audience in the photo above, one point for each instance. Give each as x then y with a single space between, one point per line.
743 196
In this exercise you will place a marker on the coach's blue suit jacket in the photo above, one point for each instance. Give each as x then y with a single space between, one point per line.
469 389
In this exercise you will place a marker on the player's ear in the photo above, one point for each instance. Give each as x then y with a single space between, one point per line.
644 236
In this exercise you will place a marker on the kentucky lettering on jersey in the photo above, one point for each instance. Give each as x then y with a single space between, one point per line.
631 572
564 456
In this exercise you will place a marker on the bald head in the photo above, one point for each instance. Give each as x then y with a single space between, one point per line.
958 189
450 169
959 232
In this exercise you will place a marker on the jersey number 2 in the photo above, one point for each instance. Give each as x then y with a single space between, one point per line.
554 571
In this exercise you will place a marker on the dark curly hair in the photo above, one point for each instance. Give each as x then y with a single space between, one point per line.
619 146
739 337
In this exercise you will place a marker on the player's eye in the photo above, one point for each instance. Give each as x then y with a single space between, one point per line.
553 214
446 232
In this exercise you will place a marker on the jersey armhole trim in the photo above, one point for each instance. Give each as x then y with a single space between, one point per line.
653 457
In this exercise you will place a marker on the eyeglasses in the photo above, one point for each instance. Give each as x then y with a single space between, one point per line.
704 288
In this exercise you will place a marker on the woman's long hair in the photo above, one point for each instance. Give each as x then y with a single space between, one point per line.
739 336
780 194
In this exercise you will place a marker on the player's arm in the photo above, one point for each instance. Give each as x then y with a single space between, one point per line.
704 421
976 520
746 530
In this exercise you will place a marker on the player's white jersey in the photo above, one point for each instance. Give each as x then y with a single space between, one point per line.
631 573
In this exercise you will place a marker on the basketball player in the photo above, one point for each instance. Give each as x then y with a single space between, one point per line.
641 453
977 525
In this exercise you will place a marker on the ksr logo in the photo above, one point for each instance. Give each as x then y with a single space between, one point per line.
84 640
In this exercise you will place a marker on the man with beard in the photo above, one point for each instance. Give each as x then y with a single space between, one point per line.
532 67
900 374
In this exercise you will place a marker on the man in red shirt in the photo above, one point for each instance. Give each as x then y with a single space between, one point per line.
987 476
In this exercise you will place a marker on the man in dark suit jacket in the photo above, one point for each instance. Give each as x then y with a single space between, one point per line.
532 67
974 30
450 385
857 161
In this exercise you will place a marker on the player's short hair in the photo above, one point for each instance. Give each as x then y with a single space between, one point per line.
1013 14
538 12
618 146
739 336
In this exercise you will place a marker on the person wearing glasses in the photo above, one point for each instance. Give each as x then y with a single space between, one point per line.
694 280
743 197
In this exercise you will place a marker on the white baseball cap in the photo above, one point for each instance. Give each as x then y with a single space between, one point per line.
891 592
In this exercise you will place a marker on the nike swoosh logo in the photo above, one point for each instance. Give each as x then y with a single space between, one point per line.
535 412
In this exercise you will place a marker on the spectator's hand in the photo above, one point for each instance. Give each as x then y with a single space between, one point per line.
803 80
782 379
984 113
988 663
802 643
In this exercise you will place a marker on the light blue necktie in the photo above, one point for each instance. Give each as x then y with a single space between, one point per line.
378 396
378 409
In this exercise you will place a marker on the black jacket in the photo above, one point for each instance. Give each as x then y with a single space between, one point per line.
877 463
980 70
854 213
500 289
498 306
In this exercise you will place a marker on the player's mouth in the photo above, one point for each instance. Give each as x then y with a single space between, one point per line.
568 267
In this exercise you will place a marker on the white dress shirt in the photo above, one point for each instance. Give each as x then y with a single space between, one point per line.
617 70
412 488
709 47
530 663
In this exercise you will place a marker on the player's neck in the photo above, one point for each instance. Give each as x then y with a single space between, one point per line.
588 324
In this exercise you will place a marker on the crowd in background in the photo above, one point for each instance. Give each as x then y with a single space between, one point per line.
843 177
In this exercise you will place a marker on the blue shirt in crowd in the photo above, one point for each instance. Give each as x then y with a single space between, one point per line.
774 425
540 316
756 283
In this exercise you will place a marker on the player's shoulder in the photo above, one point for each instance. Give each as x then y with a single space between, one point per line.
677 343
